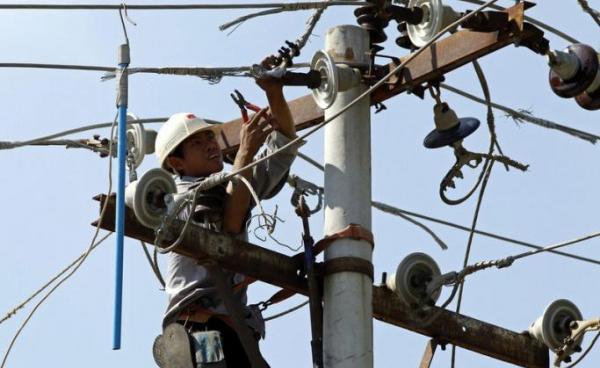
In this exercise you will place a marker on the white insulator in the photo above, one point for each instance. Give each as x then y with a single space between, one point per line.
565 64
147 196
326 93
436 17
552 327
412 276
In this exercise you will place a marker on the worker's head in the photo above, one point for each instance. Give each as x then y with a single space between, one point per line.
187 145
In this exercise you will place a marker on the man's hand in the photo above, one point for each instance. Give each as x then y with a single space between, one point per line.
273 87
237 202
269 85
254 133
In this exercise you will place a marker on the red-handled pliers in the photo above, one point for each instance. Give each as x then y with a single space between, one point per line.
244 105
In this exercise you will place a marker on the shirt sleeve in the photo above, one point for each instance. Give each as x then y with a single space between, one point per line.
269 176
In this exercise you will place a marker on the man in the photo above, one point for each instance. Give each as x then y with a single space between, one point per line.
187 147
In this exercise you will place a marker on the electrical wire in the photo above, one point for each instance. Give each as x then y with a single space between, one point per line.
67 143
286 6
486 172
382 207
94 68
585 353
592 12
153 261
45 286
211 74
506 262
469 244
526 117
293 309
74 269
493 143
393 210
9 145
397 211
312 21
556 246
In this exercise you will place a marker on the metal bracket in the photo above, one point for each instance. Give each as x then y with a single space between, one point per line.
352 231
348 264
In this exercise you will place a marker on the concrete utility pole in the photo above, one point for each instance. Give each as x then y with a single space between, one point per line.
347 295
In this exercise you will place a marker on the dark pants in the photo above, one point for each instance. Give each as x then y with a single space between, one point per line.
235 355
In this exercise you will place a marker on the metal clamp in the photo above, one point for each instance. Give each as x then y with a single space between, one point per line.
348 264
352 231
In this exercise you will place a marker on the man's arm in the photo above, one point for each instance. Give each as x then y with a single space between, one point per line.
252 136
280 110
237 203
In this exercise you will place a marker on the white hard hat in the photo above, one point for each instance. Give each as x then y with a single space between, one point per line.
179 127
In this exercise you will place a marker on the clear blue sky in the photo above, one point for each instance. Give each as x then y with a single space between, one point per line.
47 192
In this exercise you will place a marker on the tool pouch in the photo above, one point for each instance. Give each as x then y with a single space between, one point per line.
208 349
176 348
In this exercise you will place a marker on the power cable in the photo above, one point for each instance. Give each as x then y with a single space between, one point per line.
397 211
69 143
35 141
592 12
288 311
393 210
153 261
485 174
555 246
311 22
37 292
526 116
488 171
457 279
585 353
94 68
510 260
74 269
211 74
305 5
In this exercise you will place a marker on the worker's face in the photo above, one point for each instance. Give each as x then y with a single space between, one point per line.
201 155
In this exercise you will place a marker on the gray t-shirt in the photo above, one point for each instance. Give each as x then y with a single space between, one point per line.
187 282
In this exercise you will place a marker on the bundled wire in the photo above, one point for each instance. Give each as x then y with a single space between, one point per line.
485 174
21 305
153 262
398 211
586 352
288 311
283 6
457 279
320 8
48 138
212 75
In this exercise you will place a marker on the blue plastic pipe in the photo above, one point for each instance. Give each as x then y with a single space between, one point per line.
120 217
